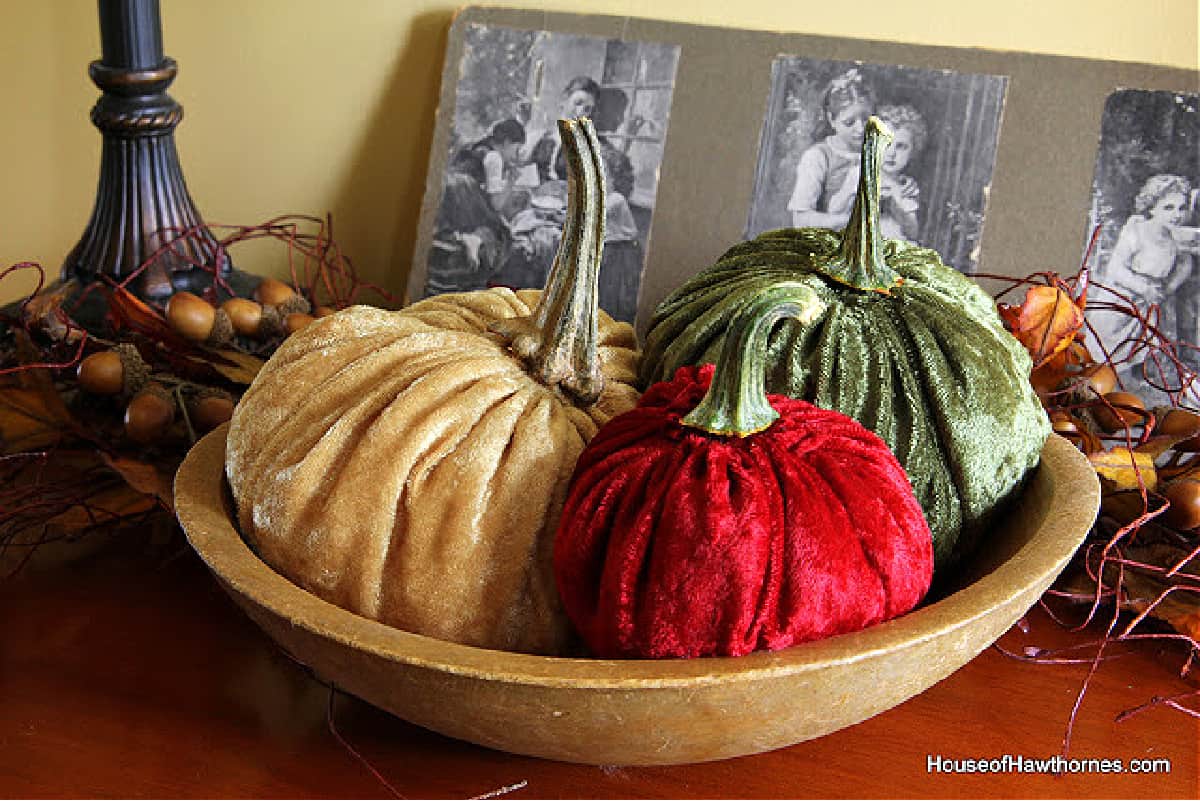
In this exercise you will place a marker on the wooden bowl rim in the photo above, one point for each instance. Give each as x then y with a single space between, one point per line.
200 507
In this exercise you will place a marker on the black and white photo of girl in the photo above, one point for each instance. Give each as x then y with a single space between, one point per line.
504 188
1146 219
934 177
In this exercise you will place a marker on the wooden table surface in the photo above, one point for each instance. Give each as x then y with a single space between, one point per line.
127 674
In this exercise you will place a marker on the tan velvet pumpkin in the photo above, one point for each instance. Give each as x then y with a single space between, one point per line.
411 466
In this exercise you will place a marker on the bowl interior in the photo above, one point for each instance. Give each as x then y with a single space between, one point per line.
588 710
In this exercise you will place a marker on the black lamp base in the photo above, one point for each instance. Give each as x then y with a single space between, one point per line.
142 200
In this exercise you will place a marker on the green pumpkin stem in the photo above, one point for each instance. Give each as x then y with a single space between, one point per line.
558 342
736 402
859 261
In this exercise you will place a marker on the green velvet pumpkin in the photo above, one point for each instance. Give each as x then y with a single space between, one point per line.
907 346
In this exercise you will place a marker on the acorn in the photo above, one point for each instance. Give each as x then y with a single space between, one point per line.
209 409
149 414
1099 378
323 311
297 321
296 304
198 320
113 372
272 323
1078 354
1184 496
1128 411
191 316
1076 430
1181 423
244 314
102 373
1064 422
273 292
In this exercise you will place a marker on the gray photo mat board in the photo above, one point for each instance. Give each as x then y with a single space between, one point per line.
1041 189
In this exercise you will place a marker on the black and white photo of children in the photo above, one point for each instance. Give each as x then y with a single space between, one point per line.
504 188
934 177
1145 214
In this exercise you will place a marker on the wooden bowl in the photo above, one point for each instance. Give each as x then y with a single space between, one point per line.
650 712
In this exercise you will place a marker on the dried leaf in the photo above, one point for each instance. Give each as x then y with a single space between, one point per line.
101 508
1159 444
1050 374
44 311
242 368
1119 469
28 420
1045 323
1178 595
32 414
1075 583
144 478
1125 506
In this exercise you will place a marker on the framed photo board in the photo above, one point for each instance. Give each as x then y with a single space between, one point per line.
709 128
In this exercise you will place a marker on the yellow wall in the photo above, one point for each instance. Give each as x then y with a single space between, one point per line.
309 106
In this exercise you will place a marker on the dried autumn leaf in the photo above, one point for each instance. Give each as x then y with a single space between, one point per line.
32 413
1173 599
1047 377
1159 444
107 506
1119 469
1125 506
29 420
1189 469
242 368
1045 323
144 478
44 311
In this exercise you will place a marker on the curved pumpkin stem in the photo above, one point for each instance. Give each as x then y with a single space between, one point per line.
558 342
736 402
859 261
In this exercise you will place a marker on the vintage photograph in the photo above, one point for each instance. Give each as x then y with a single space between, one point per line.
1146 224
504 187
934 178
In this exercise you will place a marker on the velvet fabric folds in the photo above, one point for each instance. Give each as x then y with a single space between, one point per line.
928 367
407 467
679 543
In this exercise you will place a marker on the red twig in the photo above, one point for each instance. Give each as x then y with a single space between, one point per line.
333 690
1104 559
1173 702
29 499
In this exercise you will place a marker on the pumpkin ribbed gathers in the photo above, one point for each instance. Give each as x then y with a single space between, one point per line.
714 520
907 346
411 466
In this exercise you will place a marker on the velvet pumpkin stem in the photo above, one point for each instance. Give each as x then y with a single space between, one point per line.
860 262
558 343
736 402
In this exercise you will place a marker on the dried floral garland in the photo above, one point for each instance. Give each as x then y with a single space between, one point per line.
1138 572
95 418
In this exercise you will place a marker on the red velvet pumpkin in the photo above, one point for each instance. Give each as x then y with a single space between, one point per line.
745 522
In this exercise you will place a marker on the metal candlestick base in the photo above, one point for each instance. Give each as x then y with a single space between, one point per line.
142 201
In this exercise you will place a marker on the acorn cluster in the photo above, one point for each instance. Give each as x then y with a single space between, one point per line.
1090 409
152 402
158 405
277 310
